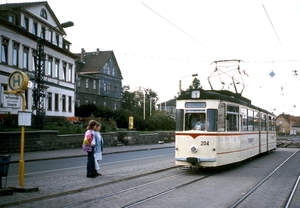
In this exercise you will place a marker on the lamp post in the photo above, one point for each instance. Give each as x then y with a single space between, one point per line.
38 91
180 90
144 104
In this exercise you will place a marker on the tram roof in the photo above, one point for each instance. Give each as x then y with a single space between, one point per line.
224 95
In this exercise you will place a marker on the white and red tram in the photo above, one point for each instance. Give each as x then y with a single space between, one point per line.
220 127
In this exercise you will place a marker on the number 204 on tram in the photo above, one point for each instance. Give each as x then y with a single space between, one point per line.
220 127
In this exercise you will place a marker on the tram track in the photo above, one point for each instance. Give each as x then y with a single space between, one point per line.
288 194
129 192
140 188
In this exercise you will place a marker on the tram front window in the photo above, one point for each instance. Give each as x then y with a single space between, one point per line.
195 121
202 121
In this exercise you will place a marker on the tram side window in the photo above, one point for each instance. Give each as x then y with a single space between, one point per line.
212 117
250 120
271 123
179 119
232 118
263 122
245 120
255 122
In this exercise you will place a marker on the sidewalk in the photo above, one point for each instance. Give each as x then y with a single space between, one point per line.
76 182
65 153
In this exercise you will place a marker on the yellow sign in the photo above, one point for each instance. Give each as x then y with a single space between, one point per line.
18 80
130 123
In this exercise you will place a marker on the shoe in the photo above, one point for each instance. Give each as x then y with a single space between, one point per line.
97 174
91 176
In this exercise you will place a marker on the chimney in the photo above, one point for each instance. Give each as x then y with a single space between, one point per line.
97 53
82 54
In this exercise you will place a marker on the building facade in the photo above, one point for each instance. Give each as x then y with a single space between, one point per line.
98 79
32 41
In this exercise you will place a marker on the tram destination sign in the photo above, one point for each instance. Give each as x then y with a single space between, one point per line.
11 101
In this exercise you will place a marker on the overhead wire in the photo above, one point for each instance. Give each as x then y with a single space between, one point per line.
178 28
272 24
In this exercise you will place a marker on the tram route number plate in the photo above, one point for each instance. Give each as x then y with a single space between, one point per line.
204 143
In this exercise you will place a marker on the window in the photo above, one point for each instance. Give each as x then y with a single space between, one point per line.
104 87
11 18
104 103
78 82
3 88
25 23
70 73
25 58
34 28
33 60
50 36
115 106
94 84
64 71
70 104
195 121
263 122
272 123
57 40
15 60
113 72
87 83
78 102
94 102
50 64
86 102
250 120
43 13
26 98
232 118
63 97
255 122
49 101
245 120
56 69
56 102
43 33
4 48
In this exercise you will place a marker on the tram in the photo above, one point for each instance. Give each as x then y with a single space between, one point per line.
219 127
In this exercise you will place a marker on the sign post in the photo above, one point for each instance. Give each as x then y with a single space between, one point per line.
18 81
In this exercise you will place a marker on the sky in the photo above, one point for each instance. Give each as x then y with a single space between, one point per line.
157 43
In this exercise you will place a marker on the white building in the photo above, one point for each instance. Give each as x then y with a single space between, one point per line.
21 25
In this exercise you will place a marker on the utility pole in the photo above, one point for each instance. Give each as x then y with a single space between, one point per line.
38 91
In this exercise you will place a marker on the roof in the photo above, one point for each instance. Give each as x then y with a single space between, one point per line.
19 6
94 62
171 102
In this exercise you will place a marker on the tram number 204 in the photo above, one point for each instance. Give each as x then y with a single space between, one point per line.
204 143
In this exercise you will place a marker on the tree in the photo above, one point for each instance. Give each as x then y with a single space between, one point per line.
195 84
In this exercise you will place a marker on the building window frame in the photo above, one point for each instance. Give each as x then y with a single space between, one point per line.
25 57
56 101
4 50
87 83
49 96
56 68
15 55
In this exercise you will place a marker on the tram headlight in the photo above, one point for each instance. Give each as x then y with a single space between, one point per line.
194 149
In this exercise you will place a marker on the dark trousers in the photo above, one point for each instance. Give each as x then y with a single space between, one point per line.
90 167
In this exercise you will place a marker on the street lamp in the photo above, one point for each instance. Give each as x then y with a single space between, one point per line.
144 103
180 90
38 90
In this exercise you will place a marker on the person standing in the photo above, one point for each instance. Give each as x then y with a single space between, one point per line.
88 146
98 145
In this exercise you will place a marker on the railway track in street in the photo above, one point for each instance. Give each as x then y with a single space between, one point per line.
266 190
130 192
